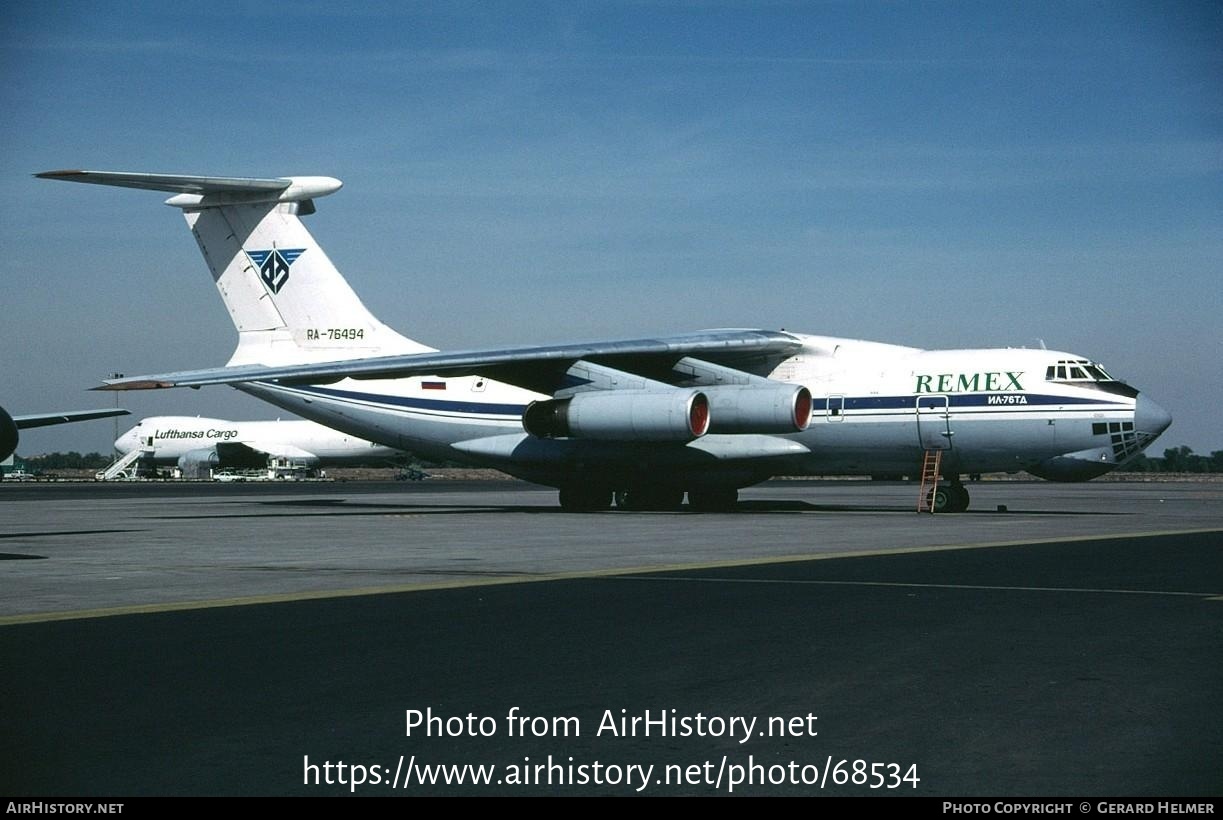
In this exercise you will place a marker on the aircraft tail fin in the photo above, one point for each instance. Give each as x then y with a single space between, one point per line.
287 300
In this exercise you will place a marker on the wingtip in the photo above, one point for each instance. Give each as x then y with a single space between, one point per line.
148 384
68 172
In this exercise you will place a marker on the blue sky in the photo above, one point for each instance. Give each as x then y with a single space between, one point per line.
935 174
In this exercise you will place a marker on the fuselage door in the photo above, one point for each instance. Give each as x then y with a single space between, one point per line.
934 422
836 408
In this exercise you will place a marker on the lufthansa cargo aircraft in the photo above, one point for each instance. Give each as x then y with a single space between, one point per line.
184 440
641 422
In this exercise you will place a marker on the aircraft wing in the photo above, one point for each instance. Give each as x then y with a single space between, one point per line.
542 369
48 419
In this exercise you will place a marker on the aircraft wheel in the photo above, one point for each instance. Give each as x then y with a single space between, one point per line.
950 498
585 499
721 499
961 497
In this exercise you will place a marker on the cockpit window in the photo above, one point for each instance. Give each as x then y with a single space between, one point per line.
1077 370
1082 373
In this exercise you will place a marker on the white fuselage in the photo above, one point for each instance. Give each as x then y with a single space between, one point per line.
877 408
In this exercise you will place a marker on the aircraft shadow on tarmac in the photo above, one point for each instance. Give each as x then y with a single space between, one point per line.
343 507
19 556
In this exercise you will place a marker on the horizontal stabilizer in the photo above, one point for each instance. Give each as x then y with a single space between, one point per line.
169 182
205 191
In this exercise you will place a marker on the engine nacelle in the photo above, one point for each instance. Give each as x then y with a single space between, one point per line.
197 464
205 457
621 415
780 408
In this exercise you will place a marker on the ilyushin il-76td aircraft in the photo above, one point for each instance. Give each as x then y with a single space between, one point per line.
636 423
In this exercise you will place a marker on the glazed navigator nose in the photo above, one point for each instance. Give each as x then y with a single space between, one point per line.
1149 417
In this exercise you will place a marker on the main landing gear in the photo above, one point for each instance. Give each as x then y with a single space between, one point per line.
950 498
716 499
582 498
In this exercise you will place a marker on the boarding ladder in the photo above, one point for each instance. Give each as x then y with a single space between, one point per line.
931 464
119 468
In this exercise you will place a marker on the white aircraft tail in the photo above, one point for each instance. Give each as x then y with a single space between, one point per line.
287 300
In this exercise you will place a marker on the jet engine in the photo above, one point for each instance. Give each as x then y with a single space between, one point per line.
621 415
198 463
780 408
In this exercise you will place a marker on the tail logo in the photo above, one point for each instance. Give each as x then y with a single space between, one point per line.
274 265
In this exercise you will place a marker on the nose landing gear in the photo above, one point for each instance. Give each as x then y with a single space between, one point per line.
950 498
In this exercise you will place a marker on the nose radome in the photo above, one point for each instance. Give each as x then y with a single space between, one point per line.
1149 417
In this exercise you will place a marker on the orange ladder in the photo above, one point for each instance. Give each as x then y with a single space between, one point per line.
929 480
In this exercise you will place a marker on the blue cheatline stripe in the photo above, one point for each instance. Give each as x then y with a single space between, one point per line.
419 404
974 400
982 400
981 414
865 403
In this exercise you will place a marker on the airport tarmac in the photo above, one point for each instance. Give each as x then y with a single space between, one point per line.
120 546
201 639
